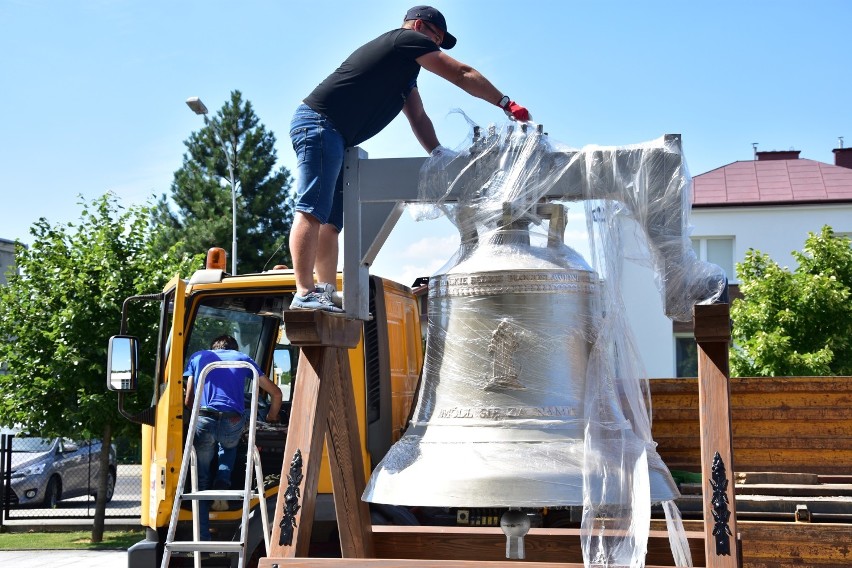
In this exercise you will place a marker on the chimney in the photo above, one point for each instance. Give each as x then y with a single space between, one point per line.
778 155
843 157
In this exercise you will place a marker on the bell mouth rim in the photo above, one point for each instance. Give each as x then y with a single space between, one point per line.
480 479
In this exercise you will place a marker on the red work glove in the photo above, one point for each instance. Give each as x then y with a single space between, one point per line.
516 111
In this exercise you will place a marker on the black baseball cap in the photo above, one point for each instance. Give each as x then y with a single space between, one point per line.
434 17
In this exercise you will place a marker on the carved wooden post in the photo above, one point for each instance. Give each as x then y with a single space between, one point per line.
712 326
323 408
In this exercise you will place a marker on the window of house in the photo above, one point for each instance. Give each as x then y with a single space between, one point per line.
686 356
719 251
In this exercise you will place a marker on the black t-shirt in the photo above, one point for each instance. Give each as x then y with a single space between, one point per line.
369 89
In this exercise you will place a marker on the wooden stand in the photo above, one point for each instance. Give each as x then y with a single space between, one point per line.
323 408
712 327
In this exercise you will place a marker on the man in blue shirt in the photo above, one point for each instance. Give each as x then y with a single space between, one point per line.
222 414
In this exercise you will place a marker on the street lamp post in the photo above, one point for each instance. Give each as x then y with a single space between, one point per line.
198 107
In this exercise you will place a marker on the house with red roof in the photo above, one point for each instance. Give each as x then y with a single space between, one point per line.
770 204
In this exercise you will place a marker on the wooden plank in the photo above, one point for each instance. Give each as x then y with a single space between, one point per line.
837 384
824 462
782 413
796 544
712 335
828 491
489 543
712 324
771 455
795 444
347 468
797 429
378 563
795 424
773 458
685 397
777 478
840 445
836 492
313 327
767 544
781 399
305 434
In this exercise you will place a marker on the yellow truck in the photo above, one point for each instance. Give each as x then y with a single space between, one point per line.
385 369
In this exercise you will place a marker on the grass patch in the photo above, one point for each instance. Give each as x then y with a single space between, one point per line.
75 540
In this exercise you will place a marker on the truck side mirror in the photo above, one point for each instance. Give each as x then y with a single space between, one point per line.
122 363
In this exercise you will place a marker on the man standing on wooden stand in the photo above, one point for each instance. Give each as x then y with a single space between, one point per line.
353 104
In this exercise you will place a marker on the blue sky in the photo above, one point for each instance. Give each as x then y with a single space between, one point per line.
92 91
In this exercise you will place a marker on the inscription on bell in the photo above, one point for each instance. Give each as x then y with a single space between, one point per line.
549 277
503 412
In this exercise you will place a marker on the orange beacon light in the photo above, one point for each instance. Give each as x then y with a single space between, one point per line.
216 258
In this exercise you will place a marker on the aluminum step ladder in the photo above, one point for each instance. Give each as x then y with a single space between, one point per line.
189 462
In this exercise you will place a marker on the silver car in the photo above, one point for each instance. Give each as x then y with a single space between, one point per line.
45 470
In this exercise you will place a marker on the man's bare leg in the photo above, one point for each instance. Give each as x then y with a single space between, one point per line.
304 240
326 254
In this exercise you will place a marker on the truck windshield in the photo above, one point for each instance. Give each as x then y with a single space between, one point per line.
255 322
211 322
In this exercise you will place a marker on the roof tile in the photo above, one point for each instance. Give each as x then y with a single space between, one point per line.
773 181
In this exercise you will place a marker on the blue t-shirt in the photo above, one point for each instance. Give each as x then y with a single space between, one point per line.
223 388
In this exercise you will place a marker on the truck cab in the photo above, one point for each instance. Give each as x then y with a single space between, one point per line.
385 367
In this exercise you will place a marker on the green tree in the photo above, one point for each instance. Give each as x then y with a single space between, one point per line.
201 190
795 323
60 312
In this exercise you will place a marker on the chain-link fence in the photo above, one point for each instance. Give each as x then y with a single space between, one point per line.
58 478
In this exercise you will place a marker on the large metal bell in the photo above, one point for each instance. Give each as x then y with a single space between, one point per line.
500 415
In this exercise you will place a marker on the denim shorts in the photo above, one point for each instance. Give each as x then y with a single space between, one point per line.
319 162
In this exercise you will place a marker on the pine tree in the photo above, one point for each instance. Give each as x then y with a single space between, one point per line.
201 190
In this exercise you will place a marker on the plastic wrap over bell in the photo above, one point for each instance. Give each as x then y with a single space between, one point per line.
533 391
530 395
500 418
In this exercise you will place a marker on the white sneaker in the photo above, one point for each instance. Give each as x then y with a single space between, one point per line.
318 299
332 292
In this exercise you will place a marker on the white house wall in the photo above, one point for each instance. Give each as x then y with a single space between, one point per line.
7 258
775 230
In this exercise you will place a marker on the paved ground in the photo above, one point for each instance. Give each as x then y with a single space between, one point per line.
63 558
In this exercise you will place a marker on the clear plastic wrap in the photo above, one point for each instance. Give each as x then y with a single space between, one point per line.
533 393
647 184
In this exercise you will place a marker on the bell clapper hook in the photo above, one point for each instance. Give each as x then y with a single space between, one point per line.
515 524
